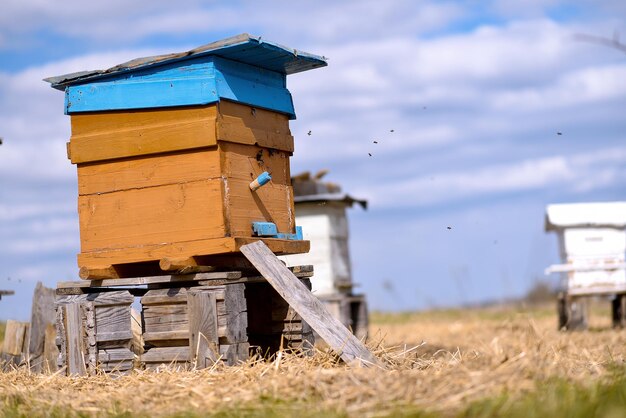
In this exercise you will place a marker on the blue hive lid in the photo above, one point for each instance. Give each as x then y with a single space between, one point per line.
242 48
244 69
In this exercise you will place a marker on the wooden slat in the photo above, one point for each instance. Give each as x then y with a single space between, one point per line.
203 336
236 314
121 336
51 351
15 338
117 366
113 319
110 135
136 345
75 344
248 125
166 335
165 279
42 316
176 295
308 306
148 171
164 314
99 299
185 249
115 354
140 217
166 355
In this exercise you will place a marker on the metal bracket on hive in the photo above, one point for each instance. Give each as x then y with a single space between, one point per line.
269 230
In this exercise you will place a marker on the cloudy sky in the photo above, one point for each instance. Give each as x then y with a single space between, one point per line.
484 112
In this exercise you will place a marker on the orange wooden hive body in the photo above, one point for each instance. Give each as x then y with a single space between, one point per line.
170 179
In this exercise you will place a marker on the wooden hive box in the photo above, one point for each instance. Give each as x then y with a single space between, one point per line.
166 149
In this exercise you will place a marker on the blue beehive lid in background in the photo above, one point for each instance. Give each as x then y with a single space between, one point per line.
243 69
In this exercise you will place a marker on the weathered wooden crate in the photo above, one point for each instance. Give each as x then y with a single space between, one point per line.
97 331
187 321
195 325
166 149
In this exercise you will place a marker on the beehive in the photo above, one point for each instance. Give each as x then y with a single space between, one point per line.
166 148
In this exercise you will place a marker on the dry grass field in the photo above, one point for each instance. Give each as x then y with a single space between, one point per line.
452 363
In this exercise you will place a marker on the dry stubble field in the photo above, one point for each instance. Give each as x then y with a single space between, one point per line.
458 363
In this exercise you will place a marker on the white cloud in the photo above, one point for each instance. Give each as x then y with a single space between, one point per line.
579 173
11 212
36 245
474 112
117 20
579 87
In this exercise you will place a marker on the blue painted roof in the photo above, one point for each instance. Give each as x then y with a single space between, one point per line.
242 48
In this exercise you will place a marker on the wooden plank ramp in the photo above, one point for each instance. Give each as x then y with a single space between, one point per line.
338 337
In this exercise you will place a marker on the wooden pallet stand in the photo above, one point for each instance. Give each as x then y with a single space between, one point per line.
97 331
187 321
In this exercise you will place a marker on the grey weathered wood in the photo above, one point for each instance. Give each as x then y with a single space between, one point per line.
236 314
233 354
90 323
308 306
168 356
122 366
115 354
88 314
61 338
113 318
165 296
203 338
6 293
99 299
74 339
122 336
42 315
50 351
135 281
152 337
15 338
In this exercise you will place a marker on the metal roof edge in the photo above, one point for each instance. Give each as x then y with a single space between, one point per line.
214 48
330 197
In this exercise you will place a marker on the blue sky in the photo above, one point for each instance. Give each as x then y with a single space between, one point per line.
475 93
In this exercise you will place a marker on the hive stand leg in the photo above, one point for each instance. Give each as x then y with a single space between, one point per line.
576 314
359 317
618 305
561 307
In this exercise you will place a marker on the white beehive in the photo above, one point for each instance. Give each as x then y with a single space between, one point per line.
592 244
321 211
